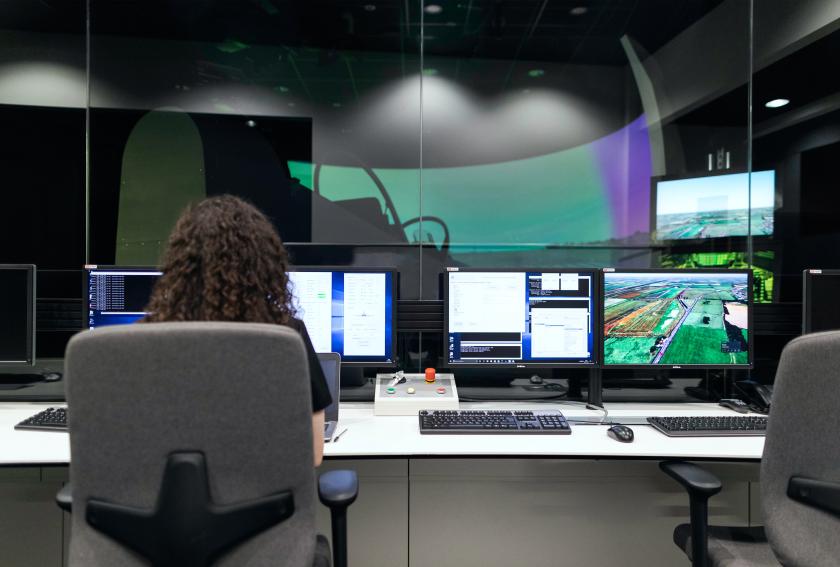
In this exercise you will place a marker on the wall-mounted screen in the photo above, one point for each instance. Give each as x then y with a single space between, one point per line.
715 206
677 318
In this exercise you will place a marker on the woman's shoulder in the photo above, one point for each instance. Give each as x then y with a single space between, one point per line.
295 324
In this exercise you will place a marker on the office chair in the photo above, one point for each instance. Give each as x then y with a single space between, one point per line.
191 445
800 472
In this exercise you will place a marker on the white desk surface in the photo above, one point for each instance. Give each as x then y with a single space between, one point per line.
368 435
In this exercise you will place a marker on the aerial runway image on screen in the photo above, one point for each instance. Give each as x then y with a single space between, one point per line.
676 318
715 206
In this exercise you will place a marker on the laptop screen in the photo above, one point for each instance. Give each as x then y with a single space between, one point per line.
331 365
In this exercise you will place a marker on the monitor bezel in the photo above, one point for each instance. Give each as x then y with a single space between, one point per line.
366 270
86 284
731 239
595 315
750 324
807 280
31 298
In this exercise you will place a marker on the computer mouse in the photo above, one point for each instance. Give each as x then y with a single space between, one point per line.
51 376
621 433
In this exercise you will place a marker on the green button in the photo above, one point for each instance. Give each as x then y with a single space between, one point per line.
391 390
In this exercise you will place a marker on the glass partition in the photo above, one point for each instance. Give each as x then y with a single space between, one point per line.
42 133
423 134
309 110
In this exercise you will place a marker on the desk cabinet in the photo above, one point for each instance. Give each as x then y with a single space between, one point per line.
502 512
487 512
30 523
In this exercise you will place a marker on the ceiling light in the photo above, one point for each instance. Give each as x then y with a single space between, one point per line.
578 10
776 103
250 123
433 9
536 73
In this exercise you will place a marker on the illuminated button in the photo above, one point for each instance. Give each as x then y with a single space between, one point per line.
391 390
441 390
430 375
410 390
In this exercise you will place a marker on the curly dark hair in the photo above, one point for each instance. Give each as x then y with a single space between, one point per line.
224 262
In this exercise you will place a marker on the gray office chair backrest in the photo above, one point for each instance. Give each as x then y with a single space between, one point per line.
803 440
237 392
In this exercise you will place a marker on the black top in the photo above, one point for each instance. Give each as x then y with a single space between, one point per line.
321 397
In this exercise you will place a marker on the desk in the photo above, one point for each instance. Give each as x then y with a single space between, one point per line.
489 500
398 436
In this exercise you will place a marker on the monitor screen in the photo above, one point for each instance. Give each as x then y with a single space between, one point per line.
349 311
677 318
117 296
17 314
520 317
820 308
715 206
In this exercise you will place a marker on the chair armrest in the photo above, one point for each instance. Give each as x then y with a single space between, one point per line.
696 480
64 497
701 485
338 488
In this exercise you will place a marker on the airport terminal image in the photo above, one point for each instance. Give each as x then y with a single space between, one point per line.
483 283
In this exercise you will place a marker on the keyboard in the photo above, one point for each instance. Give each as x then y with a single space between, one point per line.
52 419
710 426
459 422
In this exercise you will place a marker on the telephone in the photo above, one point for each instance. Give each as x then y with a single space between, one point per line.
757 395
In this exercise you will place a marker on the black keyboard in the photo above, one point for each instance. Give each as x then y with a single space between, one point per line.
54 419
710 426
537 422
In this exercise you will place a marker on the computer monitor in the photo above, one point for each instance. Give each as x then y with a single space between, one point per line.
518 318
17 314
714 206
117 295
820 304
351 311
677 318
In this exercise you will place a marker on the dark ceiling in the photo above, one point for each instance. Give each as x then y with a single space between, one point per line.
579 31
805 78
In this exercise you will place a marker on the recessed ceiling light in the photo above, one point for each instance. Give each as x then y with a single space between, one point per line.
433 9
776 103
578 10
250 123
536 73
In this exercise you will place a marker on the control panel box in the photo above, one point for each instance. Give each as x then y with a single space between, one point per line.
407 394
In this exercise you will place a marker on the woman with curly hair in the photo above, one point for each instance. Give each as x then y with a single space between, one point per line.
225 262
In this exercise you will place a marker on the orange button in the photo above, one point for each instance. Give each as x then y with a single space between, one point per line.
430 375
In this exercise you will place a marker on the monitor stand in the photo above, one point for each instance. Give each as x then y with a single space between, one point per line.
352 376
515 389
19 381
